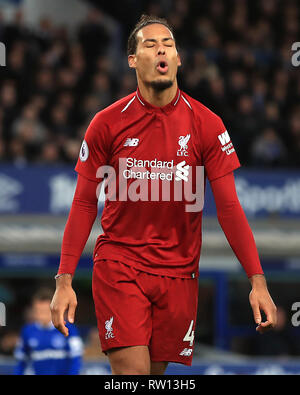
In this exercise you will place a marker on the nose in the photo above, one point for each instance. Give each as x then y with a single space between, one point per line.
161 50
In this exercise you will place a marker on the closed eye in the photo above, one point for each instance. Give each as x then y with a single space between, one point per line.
151 42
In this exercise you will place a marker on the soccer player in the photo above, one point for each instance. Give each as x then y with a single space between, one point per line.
42 348
145 274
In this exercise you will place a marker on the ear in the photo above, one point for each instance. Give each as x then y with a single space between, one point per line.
132 61
178 60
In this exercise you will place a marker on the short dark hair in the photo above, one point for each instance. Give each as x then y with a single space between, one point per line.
42 295
144 20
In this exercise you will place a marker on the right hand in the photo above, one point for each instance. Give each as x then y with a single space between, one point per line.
64 300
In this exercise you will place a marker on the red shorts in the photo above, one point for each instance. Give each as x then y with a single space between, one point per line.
138 308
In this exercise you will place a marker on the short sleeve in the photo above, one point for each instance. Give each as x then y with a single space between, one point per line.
218 153
94 150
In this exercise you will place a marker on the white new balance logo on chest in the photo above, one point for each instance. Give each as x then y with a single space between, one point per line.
131 142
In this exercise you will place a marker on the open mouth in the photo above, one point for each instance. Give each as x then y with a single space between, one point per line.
162 67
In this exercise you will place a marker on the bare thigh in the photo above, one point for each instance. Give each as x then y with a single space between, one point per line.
133 360
158 367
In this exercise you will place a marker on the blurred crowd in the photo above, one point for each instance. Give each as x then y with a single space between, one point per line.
236 58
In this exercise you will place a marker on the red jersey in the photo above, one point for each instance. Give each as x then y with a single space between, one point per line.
149 148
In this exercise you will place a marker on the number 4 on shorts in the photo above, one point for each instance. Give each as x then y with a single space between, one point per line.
189 336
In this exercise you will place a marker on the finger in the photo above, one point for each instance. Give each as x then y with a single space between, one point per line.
268 324
256 313
63 329
272 318
71 312
58 321
264 327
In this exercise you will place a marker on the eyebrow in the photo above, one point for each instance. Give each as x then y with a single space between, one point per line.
155 41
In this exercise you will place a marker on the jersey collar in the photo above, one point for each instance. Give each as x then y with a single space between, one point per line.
165 109
50 326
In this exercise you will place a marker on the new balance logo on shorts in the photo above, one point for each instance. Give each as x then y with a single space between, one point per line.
187 352
131 142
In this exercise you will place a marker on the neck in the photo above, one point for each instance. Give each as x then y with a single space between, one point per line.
45 324
157 98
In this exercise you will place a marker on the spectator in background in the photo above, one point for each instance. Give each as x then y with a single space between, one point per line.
29 129
8 342
246 126
260 91
44 83
199 70
127 85
59 122
17 152
90 105
8 106
94 35
101 88
216 96
295 135
272 116
66 100
44 348
268 150
237 86
50 154
70 150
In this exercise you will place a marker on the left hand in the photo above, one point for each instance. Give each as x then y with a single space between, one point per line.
260 299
